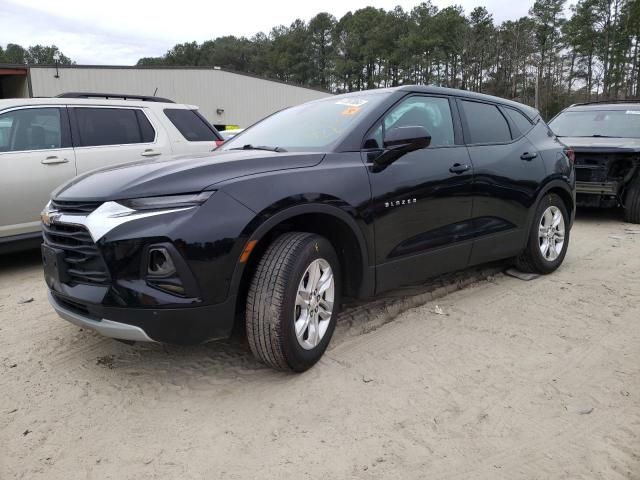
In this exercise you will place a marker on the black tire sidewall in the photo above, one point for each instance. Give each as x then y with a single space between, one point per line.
298 358
632 201
541 263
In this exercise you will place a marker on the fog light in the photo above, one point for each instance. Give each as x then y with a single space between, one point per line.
160 263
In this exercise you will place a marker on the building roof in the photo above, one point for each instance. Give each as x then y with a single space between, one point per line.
164 67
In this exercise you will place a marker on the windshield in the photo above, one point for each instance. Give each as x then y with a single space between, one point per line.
597 123
311 126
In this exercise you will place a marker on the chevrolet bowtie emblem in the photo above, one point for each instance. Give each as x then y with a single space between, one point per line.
49 217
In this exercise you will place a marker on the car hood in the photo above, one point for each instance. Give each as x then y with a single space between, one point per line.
177 175
598 144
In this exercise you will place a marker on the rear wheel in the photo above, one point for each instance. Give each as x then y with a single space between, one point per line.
548 238
293 301
632 202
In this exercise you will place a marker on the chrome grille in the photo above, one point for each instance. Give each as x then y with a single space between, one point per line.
74 208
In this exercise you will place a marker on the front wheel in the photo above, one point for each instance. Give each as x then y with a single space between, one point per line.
548 238
293 301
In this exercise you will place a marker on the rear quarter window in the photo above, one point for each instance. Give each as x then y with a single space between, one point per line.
191 125
521 122
485 123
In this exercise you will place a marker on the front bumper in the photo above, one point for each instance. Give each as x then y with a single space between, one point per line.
181 326
99 279
105 327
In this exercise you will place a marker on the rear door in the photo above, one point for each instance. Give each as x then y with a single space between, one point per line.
36 156
105 135
508 171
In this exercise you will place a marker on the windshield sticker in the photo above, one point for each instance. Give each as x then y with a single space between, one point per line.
633 112
352 102
351 111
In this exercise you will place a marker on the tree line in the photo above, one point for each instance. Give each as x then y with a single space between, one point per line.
15 54
552 57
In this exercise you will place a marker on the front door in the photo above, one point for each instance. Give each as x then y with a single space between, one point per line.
421 202
35 158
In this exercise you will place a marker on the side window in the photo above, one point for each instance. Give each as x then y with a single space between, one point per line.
191 125
374 138
110 126
147 132
486 123
522 123
432 113
31 129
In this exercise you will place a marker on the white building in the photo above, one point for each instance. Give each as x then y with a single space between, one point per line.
224 97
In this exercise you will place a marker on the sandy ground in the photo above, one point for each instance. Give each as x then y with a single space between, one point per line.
512 380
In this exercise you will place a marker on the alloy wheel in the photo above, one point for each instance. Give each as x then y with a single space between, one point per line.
551 233
314 304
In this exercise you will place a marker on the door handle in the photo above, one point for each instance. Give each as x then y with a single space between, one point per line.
459 168
528 156
53 159
149 152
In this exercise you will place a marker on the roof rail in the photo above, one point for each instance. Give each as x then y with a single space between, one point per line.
118 96
596 102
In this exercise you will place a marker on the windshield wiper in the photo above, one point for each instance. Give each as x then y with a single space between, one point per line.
597 135
260 147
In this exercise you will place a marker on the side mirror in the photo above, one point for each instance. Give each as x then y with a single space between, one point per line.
410 138
401 140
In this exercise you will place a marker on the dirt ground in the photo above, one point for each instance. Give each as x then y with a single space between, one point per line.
482 376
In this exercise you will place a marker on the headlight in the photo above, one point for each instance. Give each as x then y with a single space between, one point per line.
169 201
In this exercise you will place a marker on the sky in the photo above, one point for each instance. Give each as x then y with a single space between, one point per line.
119 32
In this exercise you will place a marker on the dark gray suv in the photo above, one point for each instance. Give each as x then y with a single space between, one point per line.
605 137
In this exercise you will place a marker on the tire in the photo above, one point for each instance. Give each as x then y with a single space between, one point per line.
533 259
632 202
274 309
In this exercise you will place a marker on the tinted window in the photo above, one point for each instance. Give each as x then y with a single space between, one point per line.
147 132
522 122
486 123
30 129
598 123
432 113
191 125
108 126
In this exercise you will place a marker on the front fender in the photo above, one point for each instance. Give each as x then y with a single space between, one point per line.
286 209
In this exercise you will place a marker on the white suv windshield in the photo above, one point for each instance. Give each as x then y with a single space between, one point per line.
311 126
597 123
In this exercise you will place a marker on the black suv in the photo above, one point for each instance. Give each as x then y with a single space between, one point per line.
345 196
606 139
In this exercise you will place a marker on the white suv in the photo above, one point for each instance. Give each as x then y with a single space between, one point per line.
46 141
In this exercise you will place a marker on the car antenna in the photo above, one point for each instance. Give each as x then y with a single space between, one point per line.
154 92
